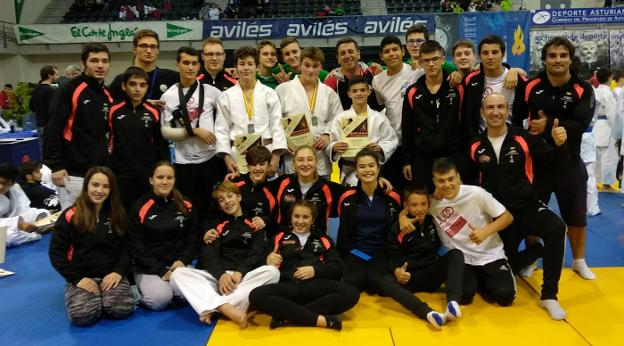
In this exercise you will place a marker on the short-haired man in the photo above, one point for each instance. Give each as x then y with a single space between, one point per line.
348 55
267 59
305 94
430 123
605 116
489 78
505 157
415 36
249 107
291 55
213 72
146 49
390 87
43 94
188 118
557 93
75 136
464 56
468 218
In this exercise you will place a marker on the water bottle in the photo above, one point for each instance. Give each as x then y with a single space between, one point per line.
12 126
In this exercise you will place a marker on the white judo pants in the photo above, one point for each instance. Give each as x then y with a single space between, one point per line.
201 289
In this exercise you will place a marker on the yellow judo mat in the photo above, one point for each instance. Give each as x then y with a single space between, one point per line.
595 311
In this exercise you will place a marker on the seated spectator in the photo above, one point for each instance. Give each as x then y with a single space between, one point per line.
15 211
214 12
40 197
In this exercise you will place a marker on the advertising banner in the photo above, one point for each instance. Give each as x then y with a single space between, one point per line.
579 16
592 48
616 48
513 27
105 32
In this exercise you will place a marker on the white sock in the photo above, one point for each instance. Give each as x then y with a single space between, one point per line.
555 310
453 311
436 319
582 269
528 270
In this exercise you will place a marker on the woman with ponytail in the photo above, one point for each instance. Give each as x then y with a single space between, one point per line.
163 236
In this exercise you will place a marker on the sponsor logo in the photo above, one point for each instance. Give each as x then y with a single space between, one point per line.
539 92
174 30
121 116
27 34
152 217
85 102
394 25
103 33
317 29
242 29
541 17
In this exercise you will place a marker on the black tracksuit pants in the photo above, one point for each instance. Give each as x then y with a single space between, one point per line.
448 268
540 221
301 302
495 281
365 275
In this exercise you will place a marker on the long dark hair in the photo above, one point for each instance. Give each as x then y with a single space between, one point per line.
175 195
86 217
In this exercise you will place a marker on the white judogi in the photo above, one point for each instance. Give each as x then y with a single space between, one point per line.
192 149
16 207
588 155
201 289
294 100
379 131
606 158
234 121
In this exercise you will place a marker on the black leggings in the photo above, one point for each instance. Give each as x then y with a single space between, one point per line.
365 275
540 221
495 281
302 302
448 268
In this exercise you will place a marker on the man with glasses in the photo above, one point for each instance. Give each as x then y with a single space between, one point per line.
430 123
146 50
415 36
213 72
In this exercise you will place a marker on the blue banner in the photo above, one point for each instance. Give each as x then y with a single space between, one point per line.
566 16
513 27
252 29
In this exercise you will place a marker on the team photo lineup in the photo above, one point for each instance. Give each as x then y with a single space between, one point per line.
216 186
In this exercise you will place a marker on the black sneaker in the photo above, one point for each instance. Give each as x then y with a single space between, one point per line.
275 323
333 322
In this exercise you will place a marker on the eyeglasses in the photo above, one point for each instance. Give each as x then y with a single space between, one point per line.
145 46
416 40
434 60
214 54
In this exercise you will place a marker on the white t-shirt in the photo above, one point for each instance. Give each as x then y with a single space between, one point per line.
495 85
193 149
472 207
303 238
390 91
497 144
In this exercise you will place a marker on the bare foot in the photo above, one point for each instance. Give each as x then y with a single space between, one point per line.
205 318
235 314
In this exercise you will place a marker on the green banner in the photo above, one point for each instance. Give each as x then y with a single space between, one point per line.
106 32
19 5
